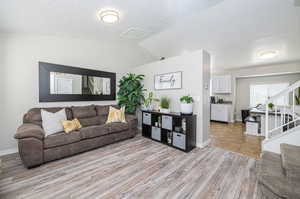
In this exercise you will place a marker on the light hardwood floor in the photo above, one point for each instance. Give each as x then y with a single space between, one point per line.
135 168
231 137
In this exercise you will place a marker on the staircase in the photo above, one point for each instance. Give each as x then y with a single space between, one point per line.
282 123
279 166
279 175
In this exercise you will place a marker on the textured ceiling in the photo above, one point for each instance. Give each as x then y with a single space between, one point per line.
78 18
234 31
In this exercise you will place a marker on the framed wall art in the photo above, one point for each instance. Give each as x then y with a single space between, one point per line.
168 81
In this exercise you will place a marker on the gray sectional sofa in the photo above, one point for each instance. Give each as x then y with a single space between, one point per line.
36 149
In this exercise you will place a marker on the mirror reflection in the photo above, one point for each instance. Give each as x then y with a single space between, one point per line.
64 83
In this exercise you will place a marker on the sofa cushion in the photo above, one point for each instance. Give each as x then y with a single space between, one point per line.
132 121
91 121
34 115
86 115
290 156
117 127
94 131
102 110
61 138
271 174
30 131
84 111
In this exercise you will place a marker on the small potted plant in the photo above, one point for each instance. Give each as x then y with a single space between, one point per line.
186 104
165 105
147 105
271 106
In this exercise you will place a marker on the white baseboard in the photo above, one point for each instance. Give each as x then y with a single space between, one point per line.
8 151
204 144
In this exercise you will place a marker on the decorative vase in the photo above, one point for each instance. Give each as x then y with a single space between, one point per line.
164 110
186 108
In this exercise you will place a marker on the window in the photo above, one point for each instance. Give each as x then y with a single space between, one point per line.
260 93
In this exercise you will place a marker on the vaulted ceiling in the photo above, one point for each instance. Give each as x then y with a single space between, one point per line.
79 18
235 31
232 30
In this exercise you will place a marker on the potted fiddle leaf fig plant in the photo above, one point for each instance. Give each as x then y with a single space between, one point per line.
147 104
186 104
165 105
131 92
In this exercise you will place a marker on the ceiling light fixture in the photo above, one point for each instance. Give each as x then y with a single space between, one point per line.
267 54
108 16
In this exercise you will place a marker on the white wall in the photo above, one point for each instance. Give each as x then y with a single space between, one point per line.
19 56
206 97
273 69
243 88
2 86
273 145
195 69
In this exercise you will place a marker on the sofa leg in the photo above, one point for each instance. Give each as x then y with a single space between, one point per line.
31 152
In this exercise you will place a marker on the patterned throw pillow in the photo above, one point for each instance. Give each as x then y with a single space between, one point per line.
71 125
116 115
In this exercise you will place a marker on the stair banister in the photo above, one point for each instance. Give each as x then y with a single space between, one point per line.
267 121
285 113
293 104
284 92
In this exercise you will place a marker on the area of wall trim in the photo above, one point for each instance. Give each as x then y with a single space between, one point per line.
8 151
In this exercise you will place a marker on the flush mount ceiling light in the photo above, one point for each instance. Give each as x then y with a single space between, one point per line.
267 54
108 16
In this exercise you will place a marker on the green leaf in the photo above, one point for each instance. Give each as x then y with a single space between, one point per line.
130 92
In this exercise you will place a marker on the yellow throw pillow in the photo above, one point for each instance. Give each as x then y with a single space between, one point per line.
116 115
71 125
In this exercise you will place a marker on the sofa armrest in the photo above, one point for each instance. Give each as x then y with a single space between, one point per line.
132 122
30 131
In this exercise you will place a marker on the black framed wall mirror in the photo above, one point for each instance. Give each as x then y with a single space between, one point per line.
58 83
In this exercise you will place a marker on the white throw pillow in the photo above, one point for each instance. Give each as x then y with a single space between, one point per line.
52 121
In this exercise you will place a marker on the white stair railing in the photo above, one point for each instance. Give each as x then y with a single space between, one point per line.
281 118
